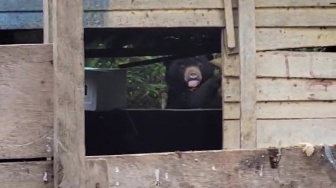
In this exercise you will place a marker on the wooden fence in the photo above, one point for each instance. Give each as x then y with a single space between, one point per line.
271 98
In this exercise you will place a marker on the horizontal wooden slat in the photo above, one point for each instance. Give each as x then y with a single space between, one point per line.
26 175
283 133
26 106
210 4
282 110
229 169
273 38
297 17
282 89
282 17
285 64
36 5
286 110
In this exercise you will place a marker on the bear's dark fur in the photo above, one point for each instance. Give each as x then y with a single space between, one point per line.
192 84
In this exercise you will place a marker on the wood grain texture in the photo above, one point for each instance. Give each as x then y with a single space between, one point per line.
284 133
96 173
297 110
199 4
26 103
231 134
69 141
294 17
282 89
274 38
288 65
248 92
286 110
47 21
229 23
229 169
26 175
231 111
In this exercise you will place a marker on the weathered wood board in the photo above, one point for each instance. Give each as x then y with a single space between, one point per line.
27 175
285 110
294 17
283 132
161 13
288 132
100 5
282 89
286 64
231 169
248 90
26 105
68 94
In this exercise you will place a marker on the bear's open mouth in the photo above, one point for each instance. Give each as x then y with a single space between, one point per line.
193 83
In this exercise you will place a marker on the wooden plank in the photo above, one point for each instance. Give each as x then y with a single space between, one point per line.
229 169
231 131
89 5
231 134
211 4
69 144
273 38
180 18
283 133
285 110
295 110
295 90
281 89
26 175
296 17
247 53
231 43
47 21
26 110
288 65
231 111
96 173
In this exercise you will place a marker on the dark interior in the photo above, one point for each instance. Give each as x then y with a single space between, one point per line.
151 131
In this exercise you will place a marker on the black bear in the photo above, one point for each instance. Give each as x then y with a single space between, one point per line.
192 84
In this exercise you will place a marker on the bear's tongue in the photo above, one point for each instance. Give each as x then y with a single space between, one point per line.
193 83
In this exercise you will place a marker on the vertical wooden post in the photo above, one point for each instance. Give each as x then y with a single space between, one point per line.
68 52
47 21
247 53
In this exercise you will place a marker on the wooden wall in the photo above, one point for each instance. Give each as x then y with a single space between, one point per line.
294 98
41 90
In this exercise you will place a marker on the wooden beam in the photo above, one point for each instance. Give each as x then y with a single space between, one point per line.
26 103
114 5
284 89
294 17
229 23
247 54
288 132
229 169
69 145
198 4
27 174
288 65
47 21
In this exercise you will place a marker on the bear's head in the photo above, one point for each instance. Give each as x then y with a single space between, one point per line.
188 72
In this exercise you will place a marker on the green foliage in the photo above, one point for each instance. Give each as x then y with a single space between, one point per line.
144 84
